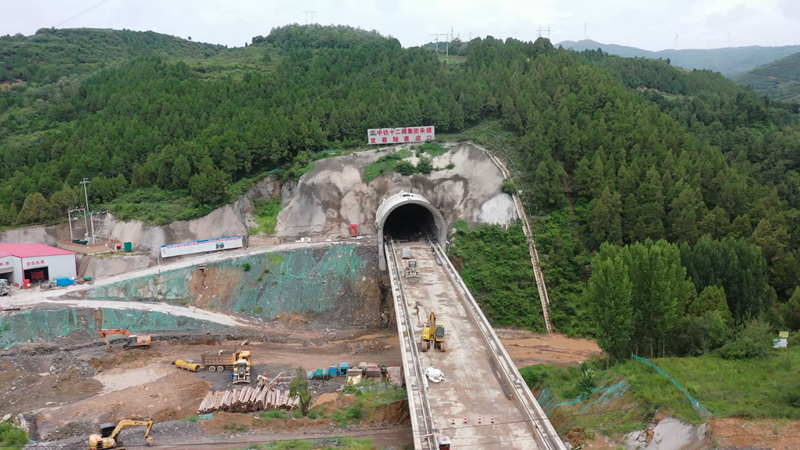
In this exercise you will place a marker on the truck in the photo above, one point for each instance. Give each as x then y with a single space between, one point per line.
219 360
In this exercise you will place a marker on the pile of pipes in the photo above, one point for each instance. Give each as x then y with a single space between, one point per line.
248 399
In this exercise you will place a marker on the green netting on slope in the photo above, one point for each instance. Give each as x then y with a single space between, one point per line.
140 321
701 410
297 281
35 325
549 401
170 285
45 325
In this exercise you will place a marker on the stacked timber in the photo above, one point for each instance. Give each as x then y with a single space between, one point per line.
248 399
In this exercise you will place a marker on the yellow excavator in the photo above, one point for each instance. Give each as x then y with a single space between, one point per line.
433 332
109 431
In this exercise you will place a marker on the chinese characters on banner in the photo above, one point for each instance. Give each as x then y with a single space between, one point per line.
34 263
400 135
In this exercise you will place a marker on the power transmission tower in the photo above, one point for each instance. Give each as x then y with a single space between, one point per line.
436 38
312 16
585 34
676 41
729 38
548 31
539 31
447 48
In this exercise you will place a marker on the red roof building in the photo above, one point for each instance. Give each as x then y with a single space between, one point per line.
36 263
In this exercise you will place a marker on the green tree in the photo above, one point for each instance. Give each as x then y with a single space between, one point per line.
608 297
659 289
791 311
605 218
63 200
208 187
36 209
299 388
181 172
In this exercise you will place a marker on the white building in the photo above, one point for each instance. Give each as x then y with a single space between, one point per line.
35 262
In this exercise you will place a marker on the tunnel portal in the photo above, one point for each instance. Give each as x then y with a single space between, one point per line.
408 216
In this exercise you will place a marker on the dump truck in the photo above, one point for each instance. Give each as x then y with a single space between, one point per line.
219 360
109 431
131 340
432 332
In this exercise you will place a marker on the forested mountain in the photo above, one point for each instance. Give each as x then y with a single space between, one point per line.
728 61
682 172
779 80
51 54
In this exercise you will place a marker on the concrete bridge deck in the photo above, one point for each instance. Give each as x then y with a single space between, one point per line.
480 379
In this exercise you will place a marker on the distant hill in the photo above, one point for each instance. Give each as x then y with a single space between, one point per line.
53 53
728 61
779 79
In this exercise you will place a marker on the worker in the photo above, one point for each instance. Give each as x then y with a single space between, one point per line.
231 376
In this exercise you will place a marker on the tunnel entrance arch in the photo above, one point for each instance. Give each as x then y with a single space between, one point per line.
405 214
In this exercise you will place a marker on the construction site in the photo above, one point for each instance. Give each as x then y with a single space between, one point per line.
203 349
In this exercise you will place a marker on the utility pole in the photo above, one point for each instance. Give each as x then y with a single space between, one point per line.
729 38
85 182
585 34
312 16
676 41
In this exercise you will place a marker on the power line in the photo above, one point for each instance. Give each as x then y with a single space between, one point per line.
96 5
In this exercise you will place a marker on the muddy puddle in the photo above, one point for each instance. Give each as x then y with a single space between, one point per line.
115 380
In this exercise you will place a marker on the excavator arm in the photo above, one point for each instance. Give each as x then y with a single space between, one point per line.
104 333
125 423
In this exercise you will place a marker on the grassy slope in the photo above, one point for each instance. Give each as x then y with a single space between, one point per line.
756 388
779 80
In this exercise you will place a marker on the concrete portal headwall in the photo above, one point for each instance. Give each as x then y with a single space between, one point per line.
438 227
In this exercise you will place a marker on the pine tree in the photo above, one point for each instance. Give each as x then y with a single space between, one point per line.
605 218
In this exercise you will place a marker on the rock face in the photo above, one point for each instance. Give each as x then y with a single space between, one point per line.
329 198
326 200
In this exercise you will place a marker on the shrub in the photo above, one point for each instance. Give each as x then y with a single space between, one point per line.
11 437
425 165
405 168
753 341
258 310
509 186
247 266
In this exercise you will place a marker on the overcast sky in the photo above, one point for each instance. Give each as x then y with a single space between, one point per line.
648 24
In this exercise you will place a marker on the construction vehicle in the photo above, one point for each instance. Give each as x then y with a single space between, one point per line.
432 331
109 431
412 275
131 340
219 360
241 373
5 289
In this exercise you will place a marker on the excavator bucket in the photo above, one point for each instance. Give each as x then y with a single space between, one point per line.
149 440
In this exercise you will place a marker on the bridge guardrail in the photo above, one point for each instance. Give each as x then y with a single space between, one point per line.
544 432
418 404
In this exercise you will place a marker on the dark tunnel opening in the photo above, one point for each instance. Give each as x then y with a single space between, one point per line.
411 222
